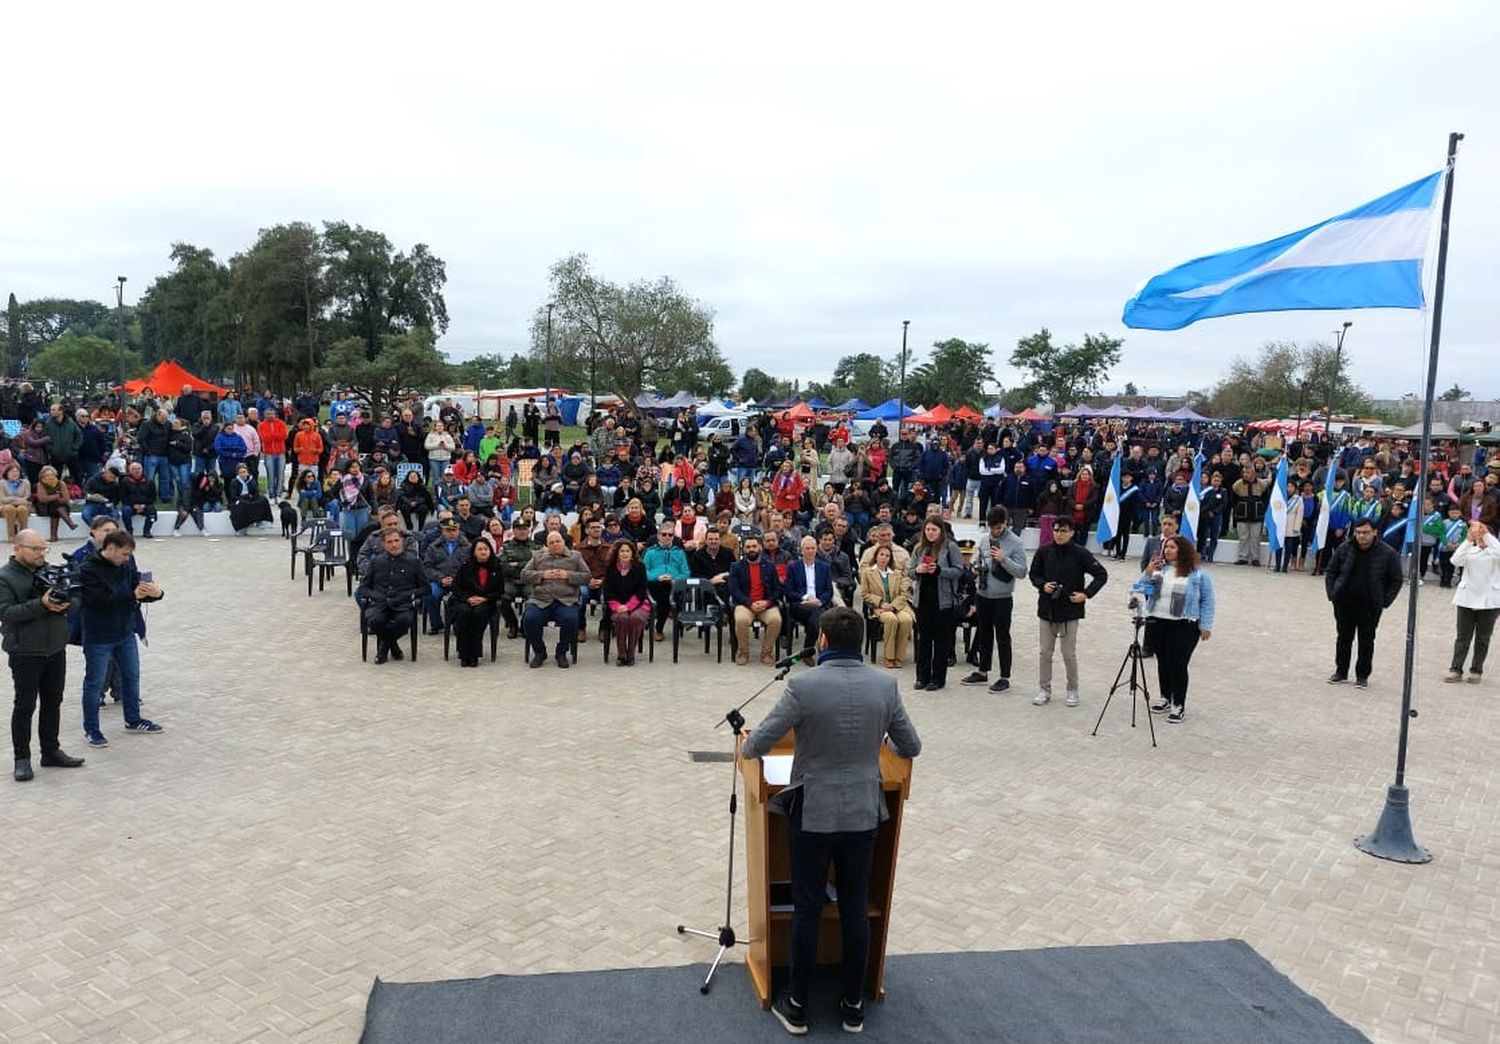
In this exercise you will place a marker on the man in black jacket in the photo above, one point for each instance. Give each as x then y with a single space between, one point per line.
1066 575
1363 578
36 640
389 592
112 588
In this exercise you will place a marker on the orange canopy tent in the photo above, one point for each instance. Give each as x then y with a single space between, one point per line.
967 413
939 414
1032 415
800 412
168 379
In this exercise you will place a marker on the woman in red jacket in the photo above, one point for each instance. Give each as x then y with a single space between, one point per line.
787 489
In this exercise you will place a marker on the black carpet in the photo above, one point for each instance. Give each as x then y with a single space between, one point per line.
1191 993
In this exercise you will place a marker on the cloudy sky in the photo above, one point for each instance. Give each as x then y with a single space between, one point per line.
815 172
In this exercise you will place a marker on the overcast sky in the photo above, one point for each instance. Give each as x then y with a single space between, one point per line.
815 172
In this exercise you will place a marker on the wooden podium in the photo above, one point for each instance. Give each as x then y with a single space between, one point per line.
768 873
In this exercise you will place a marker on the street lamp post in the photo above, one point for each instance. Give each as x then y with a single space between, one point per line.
901 400
547 395
1338 353
1301 405
120 335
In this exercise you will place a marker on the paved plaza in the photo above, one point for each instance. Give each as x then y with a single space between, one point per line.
308 822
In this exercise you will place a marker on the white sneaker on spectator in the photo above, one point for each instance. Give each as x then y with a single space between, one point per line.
1042 697
1073 699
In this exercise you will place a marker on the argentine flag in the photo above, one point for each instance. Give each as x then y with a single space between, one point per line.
1368 257
1193 506
1109 514
1276 516
1320 531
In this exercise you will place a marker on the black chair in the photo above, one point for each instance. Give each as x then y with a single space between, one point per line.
416 626
698 608
494 630
326 558
310 535
874 634
646 642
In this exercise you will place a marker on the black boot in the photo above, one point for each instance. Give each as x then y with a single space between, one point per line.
381 650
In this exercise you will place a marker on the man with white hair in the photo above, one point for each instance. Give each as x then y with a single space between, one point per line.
809 592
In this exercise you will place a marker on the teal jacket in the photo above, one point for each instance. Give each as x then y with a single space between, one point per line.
670 561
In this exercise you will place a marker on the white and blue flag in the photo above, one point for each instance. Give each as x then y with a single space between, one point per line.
1109 514
1320 530
1192 508
1276 516
1369 257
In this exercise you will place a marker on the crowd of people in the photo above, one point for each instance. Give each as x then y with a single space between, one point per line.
451 521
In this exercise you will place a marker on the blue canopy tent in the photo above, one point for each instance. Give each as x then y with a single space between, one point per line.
817 402
1146 412
1184 413
852 406
888 410
997 412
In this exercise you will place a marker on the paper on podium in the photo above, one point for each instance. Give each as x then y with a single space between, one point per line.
777 769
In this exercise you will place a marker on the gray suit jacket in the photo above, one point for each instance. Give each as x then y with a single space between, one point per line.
841 711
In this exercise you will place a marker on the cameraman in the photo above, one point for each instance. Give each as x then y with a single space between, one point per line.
1058 572
36 639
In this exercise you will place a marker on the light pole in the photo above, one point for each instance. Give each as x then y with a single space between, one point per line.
901 401
1338 352
1301 401
547 395
120 336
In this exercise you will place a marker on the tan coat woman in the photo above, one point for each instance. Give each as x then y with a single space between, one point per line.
885 591
15 501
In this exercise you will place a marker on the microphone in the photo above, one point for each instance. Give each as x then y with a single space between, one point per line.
787 661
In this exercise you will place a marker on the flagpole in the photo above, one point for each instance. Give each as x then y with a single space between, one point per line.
1392 837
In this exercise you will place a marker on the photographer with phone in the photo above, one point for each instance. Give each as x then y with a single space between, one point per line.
1066 575
112 590
34 618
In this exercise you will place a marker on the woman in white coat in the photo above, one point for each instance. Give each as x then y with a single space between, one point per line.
1477 599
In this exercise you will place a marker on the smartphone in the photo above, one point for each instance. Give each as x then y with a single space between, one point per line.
146 577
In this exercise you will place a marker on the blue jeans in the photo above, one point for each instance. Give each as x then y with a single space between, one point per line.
127 655
352 520
148 513
275 476
182 478
536 617
92 511
159 472
89 468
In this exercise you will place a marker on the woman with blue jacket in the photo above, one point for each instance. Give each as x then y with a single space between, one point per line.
1179 614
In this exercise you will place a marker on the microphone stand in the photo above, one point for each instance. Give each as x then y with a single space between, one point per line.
724 934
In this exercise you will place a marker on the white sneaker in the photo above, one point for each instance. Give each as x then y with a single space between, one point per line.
177 532
1072 700
1041 698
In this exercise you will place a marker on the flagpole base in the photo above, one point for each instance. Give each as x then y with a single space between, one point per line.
1392 837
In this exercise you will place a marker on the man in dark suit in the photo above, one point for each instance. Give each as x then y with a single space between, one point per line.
841 711
809 592
755 593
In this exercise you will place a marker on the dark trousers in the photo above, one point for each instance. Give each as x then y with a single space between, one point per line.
1208 543
1445 567
994 633
388 624
469 625
934 644
1173 642
1355 619
661 596
537 617
37 679
1474 625
1288 553
807 617
851 855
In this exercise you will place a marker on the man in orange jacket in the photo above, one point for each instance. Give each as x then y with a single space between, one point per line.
307 446
273 433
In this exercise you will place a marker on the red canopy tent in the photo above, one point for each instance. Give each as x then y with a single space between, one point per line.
1031 415
939 414
967 413
801 411
168 379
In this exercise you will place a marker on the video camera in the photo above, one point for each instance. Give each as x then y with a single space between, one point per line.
60 581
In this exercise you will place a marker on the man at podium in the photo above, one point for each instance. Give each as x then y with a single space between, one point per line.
841 710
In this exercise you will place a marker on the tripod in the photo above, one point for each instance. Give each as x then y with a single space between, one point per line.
724 934
1133 660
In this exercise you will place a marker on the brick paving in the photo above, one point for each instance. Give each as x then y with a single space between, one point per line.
308 822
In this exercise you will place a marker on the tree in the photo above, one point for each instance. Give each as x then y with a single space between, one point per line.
1131 389
279 296
955 375
757 385
185 315
865 376
483 371
1455 394
705 377
13 340
1068 374
1284 376
404 364
375 291
635 337
82 361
